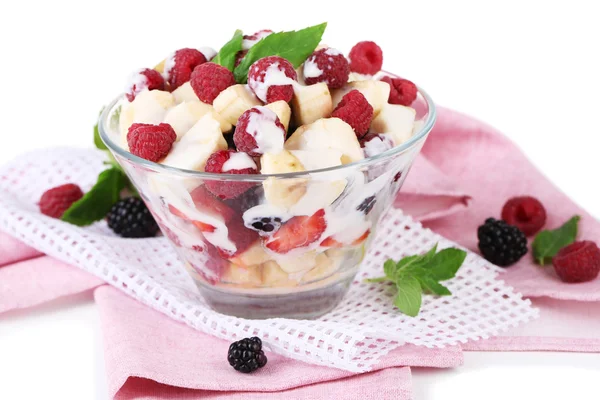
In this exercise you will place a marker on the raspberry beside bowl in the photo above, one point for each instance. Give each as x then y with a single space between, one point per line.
289 246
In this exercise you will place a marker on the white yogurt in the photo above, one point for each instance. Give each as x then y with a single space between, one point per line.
269 137
208 52
239 161
311 69
273 76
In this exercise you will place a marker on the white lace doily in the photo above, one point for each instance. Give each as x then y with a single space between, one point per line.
364 327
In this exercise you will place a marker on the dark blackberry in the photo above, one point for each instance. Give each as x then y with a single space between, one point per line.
229 140
130 218
367 205
246 355
500 243
267 225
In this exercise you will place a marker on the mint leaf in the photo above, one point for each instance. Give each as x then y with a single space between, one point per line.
94 205
226 56
294 46
445 264
389 268
548 243
430 285
408 299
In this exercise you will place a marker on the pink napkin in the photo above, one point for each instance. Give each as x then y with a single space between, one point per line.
143 343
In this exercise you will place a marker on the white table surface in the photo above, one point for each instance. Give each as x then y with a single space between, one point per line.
529 69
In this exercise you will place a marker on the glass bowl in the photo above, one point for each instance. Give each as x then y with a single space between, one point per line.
241 273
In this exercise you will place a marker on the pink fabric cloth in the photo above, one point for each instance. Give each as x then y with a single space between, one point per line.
467 169
143 343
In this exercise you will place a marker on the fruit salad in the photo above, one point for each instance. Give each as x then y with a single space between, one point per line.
278 130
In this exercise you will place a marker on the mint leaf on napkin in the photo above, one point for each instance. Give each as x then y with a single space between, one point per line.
294 46
548 243
226 56
96 203
417 274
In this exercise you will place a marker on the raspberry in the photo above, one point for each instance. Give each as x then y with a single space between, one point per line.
130 218
210 79
229 162
376 143
151 142
500 243
259 131
183 62
54 202
366 58
239 57
326 65
578 262
402 92
526 213
251 40
144 79
355 110
272 79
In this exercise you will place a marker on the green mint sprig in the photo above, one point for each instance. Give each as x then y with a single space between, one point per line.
294 46
418 274
226 56
548 243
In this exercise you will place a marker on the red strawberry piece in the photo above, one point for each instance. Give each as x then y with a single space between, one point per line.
204 227
259 131
207 203
251 40
210 79
376 143
229 162
54 202
526 213
182 64
172 236
402 91
272 79
331 242
578 262
144 79
355 110
298 232
366 58
241 236
326 65
151 142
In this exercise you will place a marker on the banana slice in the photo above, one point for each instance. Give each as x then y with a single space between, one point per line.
233 101
283 111
355 76
324 267
327 133
184 115
311 103
253 256
194 148
377 93
185 93
245 277
160 67
148 107
397 121
294 263
282 193
273 275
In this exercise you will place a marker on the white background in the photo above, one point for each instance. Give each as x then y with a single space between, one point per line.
530 69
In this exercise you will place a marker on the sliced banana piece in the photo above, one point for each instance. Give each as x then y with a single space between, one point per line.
233 101
377 93
294 263
311 103
185 93
184 115
395 120
327 133
253 256
283 111
245 277
355 76
282 193
273 275
160 67
148 107
194 148
324 267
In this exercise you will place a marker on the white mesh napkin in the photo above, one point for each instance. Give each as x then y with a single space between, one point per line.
364 327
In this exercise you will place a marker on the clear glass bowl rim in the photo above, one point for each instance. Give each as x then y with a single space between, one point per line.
115 148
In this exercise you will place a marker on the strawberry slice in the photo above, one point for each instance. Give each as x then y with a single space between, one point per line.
241 236
207 202
200 225
298 232
331 242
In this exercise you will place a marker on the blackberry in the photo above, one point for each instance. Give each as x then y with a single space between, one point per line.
130 218
266 225
246 355
367 205
500 243
229 140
